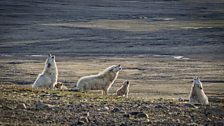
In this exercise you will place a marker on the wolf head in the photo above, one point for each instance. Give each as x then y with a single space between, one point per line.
115 68
50 61
197 82
126 83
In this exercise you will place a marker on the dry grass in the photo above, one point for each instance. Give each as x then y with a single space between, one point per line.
141 25
149 77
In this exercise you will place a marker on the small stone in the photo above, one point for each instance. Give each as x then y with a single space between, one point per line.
83 119
106 108
41 105
190 105
86 114
178 120
45 95
161 106
123 124
135 106
115 110
93 124
79 123
134 113
142 115
180 99
160 99
21 106
192 124
126 115
83 100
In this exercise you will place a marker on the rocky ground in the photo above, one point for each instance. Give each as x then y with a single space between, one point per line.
20 105
160 44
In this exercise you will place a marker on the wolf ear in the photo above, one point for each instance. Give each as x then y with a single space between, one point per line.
196 77
127 82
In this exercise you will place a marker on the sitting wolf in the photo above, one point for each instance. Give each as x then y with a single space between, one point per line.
48 78
124 89
197 94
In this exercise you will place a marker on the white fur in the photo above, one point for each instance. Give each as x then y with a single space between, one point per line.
124 89
60 86
48 78
102 81
197 95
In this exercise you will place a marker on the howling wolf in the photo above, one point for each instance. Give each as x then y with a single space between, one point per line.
197 94
48 78
102 81
124 89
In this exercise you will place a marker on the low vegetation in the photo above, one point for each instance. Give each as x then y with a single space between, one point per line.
20 105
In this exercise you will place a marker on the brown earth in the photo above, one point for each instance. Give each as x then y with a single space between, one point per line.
20 105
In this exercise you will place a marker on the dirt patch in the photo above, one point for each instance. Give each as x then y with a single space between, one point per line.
51 107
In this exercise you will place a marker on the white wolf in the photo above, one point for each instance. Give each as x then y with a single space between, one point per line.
102 81
60 86
124 89
197 95
48 78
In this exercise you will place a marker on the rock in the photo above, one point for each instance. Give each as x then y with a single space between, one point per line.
83 100
215 111
160 106
217 123
55 95
115 110
160 99
21 106
192 124
41 105
45 95
126 115
86 114
139 114
133 113
123 124
178 121
93 124
190 105
135 105
84 119
75 89
180 99
142 115
106 108
147 121
79 123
